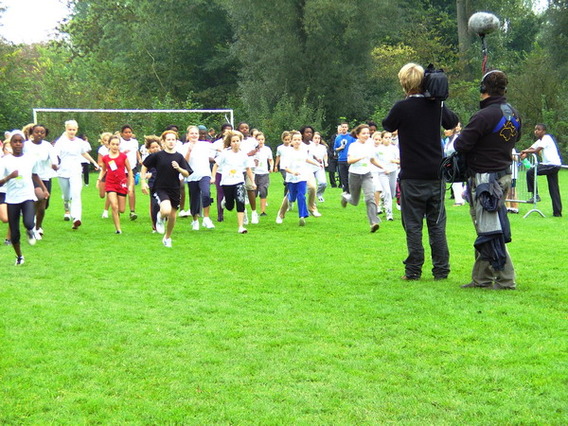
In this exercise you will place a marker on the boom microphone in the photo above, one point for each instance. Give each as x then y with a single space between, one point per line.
482 23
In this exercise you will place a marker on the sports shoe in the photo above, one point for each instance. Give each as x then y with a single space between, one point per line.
76 224
513 210
242 230
160 224
263 214
254 217
389 217
398 207
184 213
7 242
31 237
133 216
19 260
118 232
207 223
38 235
321 199
67 217
302 221
410 277
475 285
345 199
246 219
279 219
374 227
40 231
167 242
223 203
195 225
105 214
315 213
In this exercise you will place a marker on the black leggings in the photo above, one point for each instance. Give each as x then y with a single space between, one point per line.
235 194
27 210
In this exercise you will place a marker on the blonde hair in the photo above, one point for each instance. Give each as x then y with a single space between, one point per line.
104 135
27 130
284 135
71 123
229 135
410 77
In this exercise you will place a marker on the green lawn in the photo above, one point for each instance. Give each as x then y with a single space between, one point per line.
282 325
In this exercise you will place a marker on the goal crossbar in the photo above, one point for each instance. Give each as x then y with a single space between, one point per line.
141 111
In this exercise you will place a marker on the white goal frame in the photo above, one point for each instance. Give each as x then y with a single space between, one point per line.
230 120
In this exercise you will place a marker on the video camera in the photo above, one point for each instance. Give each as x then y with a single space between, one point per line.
435 84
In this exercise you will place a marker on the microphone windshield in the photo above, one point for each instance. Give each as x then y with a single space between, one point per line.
482 23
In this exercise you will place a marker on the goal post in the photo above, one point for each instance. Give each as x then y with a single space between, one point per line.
227 114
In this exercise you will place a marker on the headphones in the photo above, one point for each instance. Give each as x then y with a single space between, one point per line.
482 86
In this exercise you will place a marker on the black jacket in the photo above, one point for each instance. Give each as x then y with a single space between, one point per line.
418 120
487 144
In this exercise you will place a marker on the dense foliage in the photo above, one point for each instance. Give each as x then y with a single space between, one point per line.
280 64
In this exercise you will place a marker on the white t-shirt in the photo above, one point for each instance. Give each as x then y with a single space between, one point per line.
70 153
248 145
317 152
386 154
44 155
130 148
358 150
199 157
89 149
295 160
261 160
102 151
21 188
232 165
282 151
549 151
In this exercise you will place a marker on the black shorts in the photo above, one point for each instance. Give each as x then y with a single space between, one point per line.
120 194
2 198
171 194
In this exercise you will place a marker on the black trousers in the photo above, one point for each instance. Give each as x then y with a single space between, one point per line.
27 211
551 173
344 175
421 199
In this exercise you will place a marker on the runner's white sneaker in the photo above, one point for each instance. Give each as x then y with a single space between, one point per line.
195 225
105 214
254 218
207 223
167 242
160 224
31 236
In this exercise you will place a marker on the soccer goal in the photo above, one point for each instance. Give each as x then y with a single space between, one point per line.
143 121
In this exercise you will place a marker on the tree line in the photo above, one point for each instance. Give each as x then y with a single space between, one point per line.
283 64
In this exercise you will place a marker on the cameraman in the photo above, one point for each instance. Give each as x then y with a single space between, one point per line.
487 141
417 120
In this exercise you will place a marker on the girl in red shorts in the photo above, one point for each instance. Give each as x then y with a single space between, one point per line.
119 180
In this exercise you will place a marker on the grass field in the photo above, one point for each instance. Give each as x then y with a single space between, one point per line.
283 325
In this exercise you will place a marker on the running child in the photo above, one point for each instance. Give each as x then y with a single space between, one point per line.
168 164
19 174
119 180
233 164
